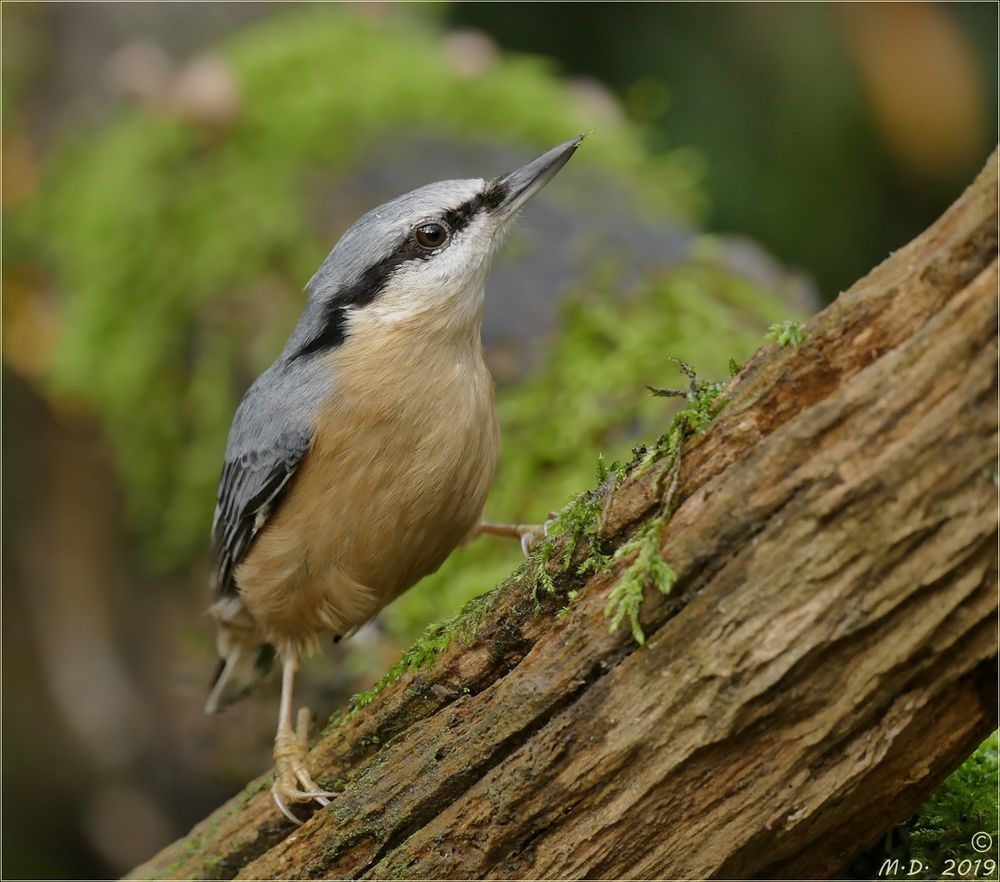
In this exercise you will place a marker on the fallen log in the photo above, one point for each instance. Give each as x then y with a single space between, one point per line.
825 655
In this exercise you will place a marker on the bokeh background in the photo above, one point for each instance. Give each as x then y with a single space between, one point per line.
173 174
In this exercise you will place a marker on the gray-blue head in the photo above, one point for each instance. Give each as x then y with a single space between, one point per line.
428 251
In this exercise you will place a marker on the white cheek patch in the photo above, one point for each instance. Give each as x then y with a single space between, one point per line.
453 279
467 259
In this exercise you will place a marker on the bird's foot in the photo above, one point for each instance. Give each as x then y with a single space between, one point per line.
531 535
292 780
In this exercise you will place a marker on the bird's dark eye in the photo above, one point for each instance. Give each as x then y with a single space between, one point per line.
431 236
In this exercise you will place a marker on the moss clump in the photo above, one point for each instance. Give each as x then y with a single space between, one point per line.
190 850
253 788
571 528
786 333
704 401
578 523
648 569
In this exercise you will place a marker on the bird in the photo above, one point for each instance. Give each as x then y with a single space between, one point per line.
363 456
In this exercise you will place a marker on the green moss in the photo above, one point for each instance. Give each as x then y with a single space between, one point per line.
253 788
422 654
704 401
190 850
786 333
647 570
572 528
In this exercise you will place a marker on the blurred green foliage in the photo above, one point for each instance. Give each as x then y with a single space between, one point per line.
772 99
158 232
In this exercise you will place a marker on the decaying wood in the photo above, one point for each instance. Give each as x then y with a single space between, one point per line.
827 656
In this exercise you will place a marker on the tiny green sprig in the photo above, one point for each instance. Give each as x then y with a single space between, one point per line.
423 653
787 333
576 524
648 569
704 401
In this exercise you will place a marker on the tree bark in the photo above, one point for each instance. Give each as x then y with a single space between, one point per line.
826 657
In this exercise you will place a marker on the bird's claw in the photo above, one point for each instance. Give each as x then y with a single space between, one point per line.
285 790
532 534
292 780
530 538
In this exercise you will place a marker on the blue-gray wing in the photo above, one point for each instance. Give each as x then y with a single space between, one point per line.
270 435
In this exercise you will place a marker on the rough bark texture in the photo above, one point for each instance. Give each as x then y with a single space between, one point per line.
827 656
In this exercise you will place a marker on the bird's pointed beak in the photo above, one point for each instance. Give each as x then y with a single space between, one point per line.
520 185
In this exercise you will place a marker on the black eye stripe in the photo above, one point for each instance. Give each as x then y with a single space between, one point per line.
333 325
460 217
494 194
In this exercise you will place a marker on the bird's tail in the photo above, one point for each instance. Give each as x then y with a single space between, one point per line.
245 659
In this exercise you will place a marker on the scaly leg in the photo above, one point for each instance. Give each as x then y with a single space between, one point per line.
529 534
290 747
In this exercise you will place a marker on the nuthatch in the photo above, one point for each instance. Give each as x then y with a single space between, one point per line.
363 456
